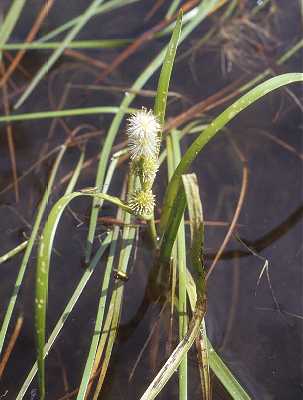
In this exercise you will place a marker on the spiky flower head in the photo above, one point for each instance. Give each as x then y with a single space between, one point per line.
142 202
142 131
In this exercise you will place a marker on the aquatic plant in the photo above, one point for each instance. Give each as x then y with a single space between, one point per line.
136 205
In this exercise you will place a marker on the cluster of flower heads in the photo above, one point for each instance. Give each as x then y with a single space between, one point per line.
143 144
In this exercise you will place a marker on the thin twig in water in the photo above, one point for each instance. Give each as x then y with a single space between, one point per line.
265 269
11 344
281 143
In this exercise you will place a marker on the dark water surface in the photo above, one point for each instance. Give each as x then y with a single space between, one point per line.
257 334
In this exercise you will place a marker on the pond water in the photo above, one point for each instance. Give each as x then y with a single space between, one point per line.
256 330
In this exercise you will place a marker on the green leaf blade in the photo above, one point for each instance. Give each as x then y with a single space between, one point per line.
166 71
218 123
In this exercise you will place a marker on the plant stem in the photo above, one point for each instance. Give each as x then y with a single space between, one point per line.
152 231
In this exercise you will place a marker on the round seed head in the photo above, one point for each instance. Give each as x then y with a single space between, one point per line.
142 202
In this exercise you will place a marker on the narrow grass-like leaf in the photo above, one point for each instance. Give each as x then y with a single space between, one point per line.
29 247
181 263
173 223
162 93
172 8
204 363
10 21
10 254
170 170
88 13
195 212
174 197
225 376
76 173
215 127
63 113
75 44
166 71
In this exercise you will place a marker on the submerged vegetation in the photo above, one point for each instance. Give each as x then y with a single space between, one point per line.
177 261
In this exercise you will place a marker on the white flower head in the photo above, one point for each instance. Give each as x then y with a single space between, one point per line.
142 202
142 131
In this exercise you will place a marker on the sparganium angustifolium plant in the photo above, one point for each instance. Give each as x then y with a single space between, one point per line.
143 144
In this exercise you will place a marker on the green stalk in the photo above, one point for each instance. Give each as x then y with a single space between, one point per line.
170 170
181 262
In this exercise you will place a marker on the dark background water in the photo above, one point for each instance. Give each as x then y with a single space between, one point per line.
260 344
